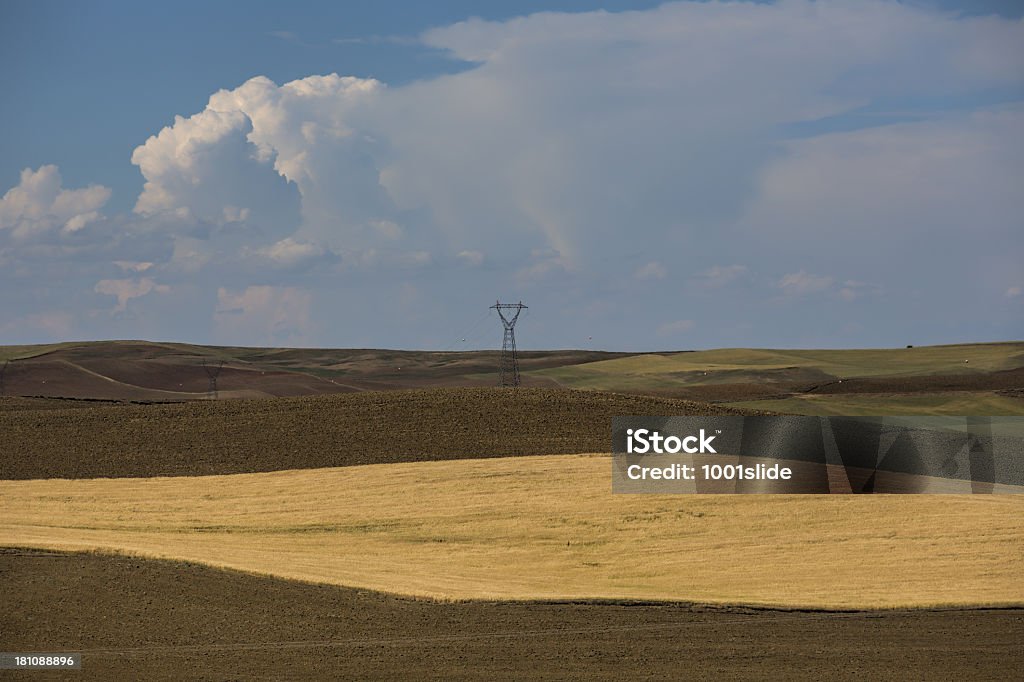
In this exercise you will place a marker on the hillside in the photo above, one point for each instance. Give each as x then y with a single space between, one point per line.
980 379
149 371
237 436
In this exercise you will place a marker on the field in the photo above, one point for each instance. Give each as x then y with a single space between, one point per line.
542 528
148 371
852 404
382 514
43 439
737 364
956 379
983 379
164 620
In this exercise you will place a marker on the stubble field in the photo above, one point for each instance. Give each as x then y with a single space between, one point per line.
543 527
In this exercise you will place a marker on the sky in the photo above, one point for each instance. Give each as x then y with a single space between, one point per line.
643 176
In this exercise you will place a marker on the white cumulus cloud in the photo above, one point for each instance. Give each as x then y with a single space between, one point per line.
287 154
39 204
566 127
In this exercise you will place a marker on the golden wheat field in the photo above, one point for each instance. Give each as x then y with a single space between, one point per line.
543 528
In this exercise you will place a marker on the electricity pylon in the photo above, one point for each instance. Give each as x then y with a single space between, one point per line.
509 359
212 373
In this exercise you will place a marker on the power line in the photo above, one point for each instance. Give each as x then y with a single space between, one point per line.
468 336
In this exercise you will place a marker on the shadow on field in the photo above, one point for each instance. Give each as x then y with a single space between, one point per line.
242 436
147 619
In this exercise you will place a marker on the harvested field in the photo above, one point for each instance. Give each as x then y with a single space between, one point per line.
544 527
201 438
147 619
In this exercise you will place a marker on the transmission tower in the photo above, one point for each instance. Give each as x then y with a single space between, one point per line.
212 373
3 371
509 359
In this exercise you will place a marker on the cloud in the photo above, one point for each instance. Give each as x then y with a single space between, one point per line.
290 253
377 40
264 314
234 214
287 155
541 264
721 275
133 266
691 93
39 204
699 135
203 171
352 165
912 179
853 290
801 283
1014 292
652 270
127 289
337 160
473 258
387 228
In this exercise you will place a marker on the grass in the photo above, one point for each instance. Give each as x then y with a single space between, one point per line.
661 371
546 527
13 353
953 403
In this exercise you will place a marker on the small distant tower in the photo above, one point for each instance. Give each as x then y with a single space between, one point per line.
212 373
509 359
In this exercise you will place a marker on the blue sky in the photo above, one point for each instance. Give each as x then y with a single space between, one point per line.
686 175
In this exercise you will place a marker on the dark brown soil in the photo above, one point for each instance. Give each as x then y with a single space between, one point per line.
238 436
987 381
147 619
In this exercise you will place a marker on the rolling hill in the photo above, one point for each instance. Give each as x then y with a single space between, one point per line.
956 379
